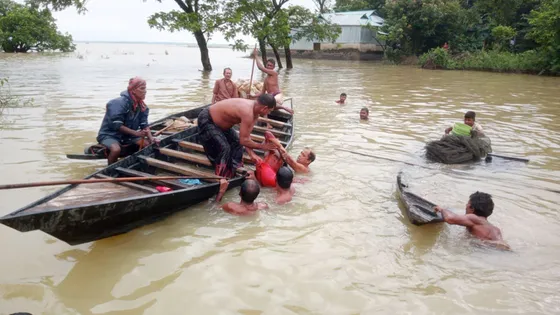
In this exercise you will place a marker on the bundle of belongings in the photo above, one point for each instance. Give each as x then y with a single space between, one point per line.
462 145
179 124
244 90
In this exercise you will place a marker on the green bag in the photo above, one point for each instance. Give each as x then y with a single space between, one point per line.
460 129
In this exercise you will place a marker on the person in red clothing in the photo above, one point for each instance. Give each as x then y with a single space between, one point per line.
267 168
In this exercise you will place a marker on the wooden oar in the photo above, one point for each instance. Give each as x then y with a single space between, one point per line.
162 130
100 180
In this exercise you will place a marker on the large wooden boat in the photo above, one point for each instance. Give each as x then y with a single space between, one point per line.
418 210
83 213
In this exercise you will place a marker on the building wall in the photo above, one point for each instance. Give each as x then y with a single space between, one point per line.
352 37
349 34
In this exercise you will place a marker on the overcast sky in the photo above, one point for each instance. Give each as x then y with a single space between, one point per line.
126 20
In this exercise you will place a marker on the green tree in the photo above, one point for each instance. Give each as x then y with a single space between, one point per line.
323 6
545 30
502 35
25 27
201 17
357 5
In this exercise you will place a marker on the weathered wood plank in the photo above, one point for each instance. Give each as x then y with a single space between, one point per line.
149 190
131 172
181 169
196 158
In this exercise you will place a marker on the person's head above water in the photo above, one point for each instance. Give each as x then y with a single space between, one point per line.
284 177
480 204
364 113
250 189
470 117
343 97
306 157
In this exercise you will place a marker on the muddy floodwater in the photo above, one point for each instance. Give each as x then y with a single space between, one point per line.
343 245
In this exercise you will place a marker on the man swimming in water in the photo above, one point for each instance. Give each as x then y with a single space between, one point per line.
284 188
478 209
364 113
469 120
299 165
271 85
249 191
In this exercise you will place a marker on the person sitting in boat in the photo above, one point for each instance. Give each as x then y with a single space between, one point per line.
469 120
126 121
342 99
364 113
250 189
284 188
478 209
224 88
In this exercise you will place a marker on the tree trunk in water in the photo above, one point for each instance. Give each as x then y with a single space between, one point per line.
262 47
277 55
288 53
202 45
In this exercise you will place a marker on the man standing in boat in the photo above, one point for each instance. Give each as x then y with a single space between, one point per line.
271 85
126 121
221 144
224 88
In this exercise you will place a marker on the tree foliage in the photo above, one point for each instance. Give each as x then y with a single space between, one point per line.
26 27
545 23
357 5
323 6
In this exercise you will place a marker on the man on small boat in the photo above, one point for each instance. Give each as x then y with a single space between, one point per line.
249 191
478 209
284 188
224 88
469 120
126 121
271 85
221 144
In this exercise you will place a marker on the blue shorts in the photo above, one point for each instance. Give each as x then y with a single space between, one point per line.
107 141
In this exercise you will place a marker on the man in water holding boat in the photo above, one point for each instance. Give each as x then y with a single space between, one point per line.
284 189
271 85
126 121
221 144
249 191
478 209
224 88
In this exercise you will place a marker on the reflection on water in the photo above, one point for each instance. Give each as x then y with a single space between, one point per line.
343 245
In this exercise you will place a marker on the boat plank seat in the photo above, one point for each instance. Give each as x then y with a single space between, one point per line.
274 123
196 158
199 148
275 132
132 185
181 169
135 173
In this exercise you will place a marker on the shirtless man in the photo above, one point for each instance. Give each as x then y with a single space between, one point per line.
284 188
299 165
271 82
249 191
478 209
221 144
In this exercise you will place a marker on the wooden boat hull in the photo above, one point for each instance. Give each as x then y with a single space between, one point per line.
84 220
418 210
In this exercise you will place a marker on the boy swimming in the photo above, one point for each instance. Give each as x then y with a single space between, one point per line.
478 209
469 120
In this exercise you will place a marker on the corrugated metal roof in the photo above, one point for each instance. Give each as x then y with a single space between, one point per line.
353 18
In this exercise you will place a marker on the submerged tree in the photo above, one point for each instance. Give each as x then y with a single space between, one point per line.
26 27
201 18
323 5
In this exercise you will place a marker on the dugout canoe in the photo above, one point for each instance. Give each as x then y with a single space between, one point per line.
99 152
418 210
79 214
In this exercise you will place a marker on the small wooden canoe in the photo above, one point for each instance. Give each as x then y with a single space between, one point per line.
83 213
99 152
418 210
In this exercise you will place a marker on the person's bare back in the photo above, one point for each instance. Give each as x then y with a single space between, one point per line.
230 112
284 196
244 209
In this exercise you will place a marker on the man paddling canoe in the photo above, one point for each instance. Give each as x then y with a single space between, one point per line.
223 147
126 121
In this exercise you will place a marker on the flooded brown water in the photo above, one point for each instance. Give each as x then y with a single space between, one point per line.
343 246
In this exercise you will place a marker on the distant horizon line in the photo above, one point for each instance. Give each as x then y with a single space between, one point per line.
144 42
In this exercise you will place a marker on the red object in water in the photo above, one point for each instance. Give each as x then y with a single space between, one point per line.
163 189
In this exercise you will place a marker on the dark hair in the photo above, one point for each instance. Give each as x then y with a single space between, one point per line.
271 60
311 156
227 69
250 189
366 109
470 114
267 100
482 204
343 94
284 177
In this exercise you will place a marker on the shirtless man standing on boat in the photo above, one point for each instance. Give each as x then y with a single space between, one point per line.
221 144
271 85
